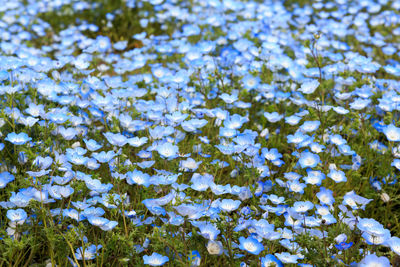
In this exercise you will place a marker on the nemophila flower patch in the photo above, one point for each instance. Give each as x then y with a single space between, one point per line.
199 133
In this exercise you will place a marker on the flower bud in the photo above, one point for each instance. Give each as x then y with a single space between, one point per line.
385 197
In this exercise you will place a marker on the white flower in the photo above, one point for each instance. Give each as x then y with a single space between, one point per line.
214 247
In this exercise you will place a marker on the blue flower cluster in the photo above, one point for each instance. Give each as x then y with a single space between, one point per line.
245 133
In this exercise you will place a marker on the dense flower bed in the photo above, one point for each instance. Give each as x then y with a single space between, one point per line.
218 133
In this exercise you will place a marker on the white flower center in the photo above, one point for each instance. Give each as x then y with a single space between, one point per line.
249 246
309 161
392 135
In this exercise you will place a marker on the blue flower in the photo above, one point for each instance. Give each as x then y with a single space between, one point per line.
154 209
168 150
219 189
297 138
92 145
275 199
35 110
67 133
20 199
138 177
292 120
18 139
145 164
337 176
273 117
193 124
396 163
176 117
208 230
73 214
5 178
392 133
189 164
250 82
340 110
89 211
194 211
310 126
116 139
29 121
155 259
314 177
229 99
372 260
229 205
121 45
325 196
90 252
337 139
309 87
286 257
137 141
97 186
308 160
296 186
346 150
227 132
251 245
368 224
302 206
97 221
60 192
109 225
43 163
17 216
344 245
58 117
102 43
271 154
104 157
270 260
360 103
355 201
92 164
201 182
235 121
394 244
